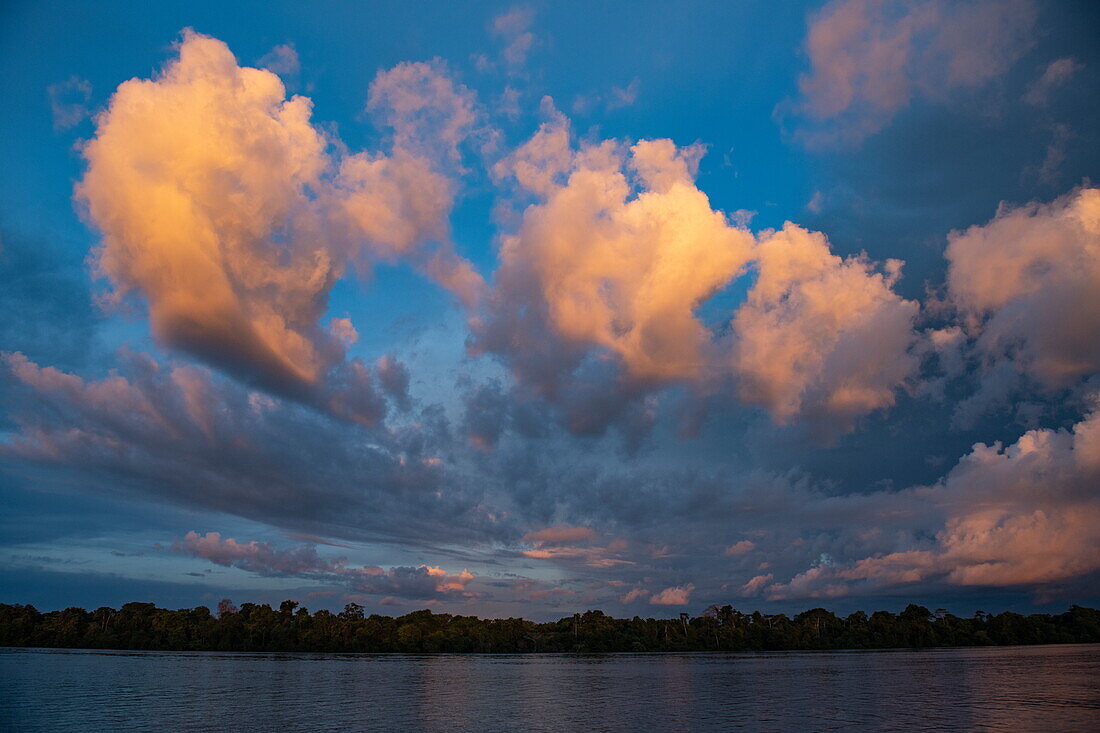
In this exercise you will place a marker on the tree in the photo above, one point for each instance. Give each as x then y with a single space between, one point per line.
257 627
352 611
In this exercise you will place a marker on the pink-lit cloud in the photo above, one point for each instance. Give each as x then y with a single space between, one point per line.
821 333
1056 74
869 59
575 546
677 595
740 548
756 584
424 581
1026 514
514 29
1027 285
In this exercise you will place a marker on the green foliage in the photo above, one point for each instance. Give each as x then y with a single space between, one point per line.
255 627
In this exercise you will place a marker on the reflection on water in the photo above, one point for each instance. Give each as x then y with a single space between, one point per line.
1054 688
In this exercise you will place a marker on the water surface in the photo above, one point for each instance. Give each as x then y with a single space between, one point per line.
1050 688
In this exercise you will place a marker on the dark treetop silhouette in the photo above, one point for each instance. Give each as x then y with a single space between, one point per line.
293 629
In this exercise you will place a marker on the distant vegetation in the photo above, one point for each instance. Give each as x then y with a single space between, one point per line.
293 629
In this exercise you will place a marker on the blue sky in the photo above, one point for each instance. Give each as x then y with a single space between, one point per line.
582 372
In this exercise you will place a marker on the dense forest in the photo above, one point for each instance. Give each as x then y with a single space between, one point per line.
291 628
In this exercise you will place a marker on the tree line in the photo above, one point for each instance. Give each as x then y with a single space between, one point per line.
291 628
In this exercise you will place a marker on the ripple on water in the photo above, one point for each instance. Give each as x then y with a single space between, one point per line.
1017 688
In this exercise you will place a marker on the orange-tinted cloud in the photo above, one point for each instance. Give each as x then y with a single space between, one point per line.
197 180
622 248
559 535
428 113
218 204
612 270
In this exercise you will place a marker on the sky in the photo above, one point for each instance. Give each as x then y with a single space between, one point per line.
522 310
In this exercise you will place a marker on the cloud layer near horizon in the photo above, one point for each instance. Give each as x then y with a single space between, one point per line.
418 583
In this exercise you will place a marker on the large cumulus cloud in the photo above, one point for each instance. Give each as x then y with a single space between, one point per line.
229 212
605 275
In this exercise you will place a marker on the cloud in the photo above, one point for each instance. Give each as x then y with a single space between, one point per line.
678 595
419 582
739 548
179 434
197 180
1056 74
486 415
343 329
282 59
69 102
756 584
214 196
593 266
595 300
1027 514
428 112
255 557
559 535
514 29
541 164
870 59
1027 286
821 333
393 377
623 96
400 203
616 98
230 213
571 546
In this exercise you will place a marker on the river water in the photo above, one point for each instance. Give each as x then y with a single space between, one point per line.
1049 688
